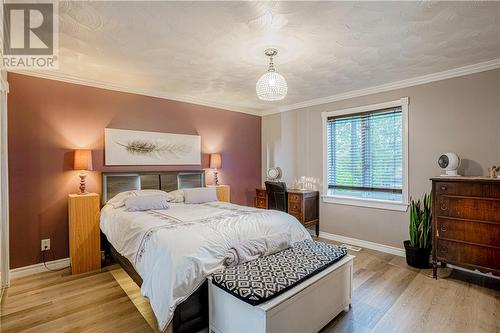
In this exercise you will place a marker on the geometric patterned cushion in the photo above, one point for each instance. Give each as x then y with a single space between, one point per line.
260 280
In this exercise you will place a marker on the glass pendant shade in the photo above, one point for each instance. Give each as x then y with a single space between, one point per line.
271 87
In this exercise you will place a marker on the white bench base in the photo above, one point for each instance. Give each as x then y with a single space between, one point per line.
306 308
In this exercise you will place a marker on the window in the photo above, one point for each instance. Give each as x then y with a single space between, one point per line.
365 155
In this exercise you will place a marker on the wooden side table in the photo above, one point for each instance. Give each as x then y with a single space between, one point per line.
304 205
84 236
223 192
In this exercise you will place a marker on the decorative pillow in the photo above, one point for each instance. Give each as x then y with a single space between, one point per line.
177 196
147 202
200 195
118 200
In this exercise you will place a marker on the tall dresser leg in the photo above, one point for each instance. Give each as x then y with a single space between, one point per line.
317 229
434 270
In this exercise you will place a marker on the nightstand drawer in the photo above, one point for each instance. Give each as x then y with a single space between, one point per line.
261 202
293 197
295 207
261 193
298 216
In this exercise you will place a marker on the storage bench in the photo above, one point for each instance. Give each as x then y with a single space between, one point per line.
307 306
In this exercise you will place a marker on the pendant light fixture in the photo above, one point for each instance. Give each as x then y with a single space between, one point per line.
271 86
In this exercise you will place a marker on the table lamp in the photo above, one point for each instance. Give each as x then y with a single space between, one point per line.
83 162
215 163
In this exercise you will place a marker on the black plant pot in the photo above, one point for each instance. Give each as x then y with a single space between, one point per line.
416 256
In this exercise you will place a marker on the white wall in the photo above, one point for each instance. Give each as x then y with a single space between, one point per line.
460 115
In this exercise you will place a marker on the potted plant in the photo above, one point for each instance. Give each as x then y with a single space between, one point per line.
418 248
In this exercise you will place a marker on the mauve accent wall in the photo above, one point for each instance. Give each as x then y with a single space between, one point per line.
49 119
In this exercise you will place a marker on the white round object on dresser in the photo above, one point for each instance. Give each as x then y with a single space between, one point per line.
274 173
450 163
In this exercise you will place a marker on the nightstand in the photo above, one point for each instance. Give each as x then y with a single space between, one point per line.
223 192
304 205
84 235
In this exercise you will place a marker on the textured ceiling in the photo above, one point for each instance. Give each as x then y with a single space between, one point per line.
213 51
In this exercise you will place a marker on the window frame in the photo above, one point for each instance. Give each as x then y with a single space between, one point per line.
366 202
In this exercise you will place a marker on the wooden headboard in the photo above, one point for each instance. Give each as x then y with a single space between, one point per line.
116 182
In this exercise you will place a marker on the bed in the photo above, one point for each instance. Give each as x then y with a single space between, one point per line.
170 253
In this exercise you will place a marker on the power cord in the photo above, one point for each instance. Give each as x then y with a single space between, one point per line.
45 263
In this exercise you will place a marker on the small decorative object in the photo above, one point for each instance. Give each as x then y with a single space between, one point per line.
418 248
493 171
274 174
450 163
306 183
271 86
126 147
215 163
83 162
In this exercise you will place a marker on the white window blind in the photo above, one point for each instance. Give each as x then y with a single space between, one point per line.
365 152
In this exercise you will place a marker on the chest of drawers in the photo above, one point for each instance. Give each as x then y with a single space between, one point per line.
466 223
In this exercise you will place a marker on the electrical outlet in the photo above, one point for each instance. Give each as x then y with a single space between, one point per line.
45 244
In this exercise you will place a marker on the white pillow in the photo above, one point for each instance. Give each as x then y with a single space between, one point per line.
177 196
146 202
118 200
200 195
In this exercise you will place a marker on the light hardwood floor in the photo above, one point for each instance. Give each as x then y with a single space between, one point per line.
388 297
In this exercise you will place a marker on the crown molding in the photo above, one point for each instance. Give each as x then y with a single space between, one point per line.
146 92
448 74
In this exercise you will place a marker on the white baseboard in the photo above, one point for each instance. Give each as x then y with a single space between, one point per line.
363 243
489 275
39 268
388 249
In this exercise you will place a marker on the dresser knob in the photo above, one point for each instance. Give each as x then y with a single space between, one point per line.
443 228
443 206
443 188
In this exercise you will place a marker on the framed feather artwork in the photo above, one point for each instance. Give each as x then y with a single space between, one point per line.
127 147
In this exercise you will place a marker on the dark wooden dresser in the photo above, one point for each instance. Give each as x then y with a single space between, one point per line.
466 223
302 204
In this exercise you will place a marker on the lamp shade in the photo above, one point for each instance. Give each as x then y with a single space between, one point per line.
215 161
83 160
271 87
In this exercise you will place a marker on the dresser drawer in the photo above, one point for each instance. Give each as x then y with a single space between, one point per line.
294 197
295 207
490 190
469 231
260 202
261 193
468 254
468 208
297 215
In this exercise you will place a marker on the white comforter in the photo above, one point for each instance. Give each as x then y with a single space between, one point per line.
174 250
